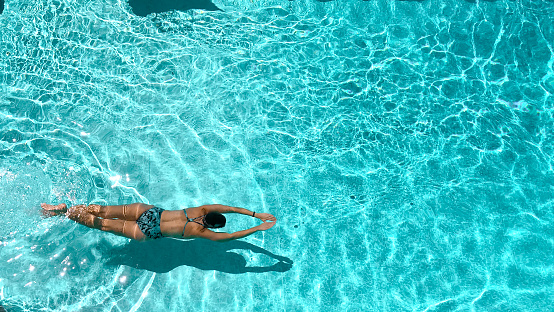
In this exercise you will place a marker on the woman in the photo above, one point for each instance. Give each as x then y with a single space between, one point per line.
143 222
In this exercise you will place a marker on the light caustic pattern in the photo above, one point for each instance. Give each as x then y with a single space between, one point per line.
405 148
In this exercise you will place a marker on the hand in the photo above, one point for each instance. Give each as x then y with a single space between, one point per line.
266 225
266 217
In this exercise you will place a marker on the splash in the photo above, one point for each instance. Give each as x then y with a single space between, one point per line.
22 188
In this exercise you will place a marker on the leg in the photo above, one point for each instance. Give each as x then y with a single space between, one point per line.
129 212
80 215
124 228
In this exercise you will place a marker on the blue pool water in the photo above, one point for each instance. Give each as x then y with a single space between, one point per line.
405 147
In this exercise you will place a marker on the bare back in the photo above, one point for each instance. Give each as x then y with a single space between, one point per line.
173 222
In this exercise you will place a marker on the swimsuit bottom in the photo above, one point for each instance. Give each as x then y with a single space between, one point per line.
149 222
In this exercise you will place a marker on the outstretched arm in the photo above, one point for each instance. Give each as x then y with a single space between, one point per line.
225 237
228 209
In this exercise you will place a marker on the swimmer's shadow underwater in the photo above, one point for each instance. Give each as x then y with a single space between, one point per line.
164 255
145 7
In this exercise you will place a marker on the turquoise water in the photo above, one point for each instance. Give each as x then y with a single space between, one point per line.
404 147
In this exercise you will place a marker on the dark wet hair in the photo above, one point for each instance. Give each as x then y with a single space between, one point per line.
215 220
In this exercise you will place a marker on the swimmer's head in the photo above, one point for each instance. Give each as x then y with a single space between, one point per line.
214 220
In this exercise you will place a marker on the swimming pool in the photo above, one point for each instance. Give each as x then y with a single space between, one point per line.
405 148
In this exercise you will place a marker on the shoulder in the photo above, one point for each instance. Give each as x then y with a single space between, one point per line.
194 212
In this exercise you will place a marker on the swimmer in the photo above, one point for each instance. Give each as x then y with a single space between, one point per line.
143 222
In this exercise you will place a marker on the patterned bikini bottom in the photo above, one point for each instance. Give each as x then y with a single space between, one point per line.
149 222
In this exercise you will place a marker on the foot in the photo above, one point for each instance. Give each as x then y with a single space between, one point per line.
53 210
47 207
